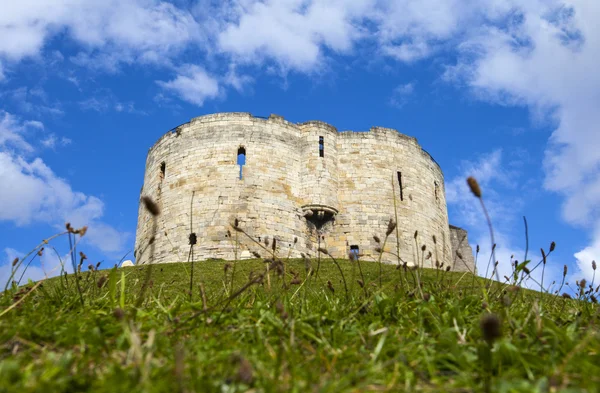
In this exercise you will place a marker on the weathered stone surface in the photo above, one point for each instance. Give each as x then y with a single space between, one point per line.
287 187
462 258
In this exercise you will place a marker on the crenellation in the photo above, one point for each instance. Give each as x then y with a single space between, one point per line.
299 181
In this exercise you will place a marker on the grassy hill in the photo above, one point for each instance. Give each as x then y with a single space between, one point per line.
140 329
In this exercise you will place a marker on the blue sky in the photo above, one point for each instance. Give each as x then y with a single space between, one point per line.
504 90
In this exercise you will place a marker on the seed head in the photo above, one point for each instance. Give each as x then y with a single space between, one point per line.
40 252
448 268
295 240
101 281
552 246
477 248
582 283
192 239
274 245
81 231
434 239
91 267
459 254
245 373
474 186
566 295
281 310
15 261
543 255
491 328
323 250
565 271
118 313
330 286
151 206
423 247
416 234
594 265
236 223
376 238
82 255
526 270
390 228
256 254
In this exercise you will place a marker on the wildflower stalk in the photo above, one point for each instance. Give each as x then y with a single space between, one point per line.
396 217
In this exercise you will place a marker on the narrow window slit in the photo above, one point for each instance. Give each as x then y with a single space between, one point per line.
400 185
321 147
163 169
241 160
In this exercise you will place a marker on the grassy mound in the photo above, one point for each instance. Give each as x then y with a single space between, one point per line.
240 329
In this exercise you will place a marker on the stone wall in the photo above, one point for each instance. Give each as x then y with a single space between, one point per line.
462 256
290 192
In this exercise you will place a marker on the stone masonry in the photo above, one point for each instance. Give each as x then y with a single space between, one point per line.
305 185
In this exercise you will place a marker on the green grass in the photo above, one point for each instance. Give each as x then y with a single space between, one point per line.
304 337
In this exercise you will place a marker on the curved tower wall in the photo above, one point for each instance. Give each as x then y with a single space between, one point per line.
201 158
282 175
319 174
369 163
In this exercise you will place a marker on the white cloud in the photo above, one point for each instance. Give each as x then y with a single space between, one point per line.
37 194
52 141
138 30
193 85
33 101
501 185
95 104
12 133
49 266
32 272
465 209
545 59
402 94
293 33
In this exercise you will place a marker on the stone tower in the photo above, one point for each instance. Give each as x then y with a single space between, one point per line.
306 185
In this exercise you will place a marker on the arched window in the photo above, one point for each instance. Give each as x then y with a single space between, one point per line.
163 169
241 160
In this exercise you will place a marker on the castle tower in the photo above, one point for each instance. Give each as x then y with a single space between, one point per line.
306 185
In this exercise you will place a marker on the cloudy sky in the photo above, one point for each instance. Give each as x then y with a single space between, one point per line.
504 90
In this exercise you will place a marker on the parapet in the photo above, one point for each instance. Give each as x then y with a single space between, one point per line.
317 124
375 131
